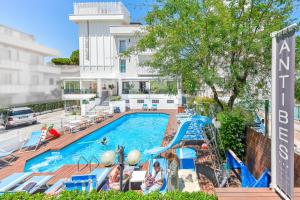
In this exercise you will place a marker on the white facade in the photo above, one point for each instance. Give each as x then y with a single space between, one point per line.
105 32
24 76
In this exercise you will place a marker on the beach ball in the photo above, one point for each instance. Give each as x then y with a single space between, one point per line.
204 146
108 158
133 157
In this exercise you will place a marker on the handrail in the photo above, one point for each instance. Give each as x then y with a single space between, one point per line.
78 163
98 162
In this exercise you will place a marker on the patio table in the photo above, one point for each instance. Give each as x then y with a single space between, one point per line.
137 177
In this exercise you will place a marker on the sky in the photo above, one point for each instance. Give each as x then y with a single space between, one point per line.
48 20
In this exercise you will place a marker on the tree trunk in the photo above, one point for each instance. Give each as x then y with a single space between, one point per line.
216 97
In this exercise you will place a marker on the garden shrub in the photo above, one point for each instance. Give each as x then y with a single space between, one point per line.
61 61
111 195
115 98
232 133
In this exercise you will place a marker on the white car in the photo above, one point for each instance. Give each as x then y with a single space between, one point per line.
18 116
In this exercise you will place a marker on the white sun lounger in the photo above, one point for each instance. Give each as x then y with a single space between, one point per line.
13 180
56 188
39 181
4 154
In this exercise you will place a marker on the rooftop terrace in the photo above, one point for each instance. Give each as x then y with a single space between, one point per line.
100 8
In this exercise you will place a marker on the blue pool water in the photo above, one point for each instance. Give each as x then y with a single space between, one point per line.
134 131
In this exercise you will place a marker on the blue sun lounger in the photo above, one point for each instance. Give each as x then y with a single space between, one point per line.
33 184
33 142
176 140
186 158
97 177
86 182
78 185
164 166
13 180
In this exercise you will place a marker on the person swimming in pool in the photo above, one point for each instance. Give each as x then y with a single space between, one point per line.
104 141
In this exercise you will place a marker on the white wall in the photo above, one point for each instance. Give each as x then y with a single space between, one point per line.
163 98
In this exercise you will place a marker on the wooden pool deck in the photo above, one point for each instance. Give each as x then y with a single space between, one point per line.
250 193
67 171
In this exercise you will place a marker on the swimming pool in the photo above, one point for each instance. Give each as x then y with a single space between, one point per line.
139 131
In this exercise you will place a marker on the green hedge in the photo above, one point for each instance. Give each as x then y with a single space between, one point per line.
232 133
40 107
46 106
111 195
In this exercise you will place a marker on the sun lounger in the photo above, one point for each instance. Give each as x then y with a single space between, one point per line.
33 184
97 176
13 180
79 185
186 158
86 182
33 142
4 154
56 188
176 140
154 107
145 107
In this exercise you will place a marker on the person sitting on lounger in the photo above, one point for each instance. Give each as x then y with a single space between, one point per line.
153 182
114 178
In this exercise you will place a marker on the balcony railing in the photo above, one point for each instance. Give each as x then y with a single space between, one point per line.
80 91
147 71
100 8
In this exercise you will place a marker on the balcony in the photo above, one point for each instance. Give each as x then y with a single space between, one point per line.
100 11
146 71
79 94
80 91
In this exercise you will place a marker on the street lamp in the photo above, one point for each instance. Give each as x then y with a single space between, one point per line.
109 157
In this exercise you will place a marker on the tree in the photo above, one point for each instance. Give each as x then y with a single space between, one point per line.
225 45
74 58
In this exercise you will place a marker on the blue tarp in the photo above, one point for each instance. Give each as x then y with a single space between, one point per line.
247 179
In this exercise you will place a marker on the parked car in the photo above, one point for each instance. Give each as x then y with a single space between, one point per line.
18 116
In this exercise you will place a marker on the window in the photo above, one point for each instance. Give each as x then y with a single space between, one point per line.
126 101
122 66
155 101
51 81
140 101
170 101
122 46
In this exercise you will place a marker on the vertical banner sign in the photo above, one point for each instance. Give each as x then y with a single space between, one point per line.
283 112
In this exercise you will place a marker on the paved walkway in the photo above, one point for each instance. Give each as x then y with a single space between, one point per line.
15 136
